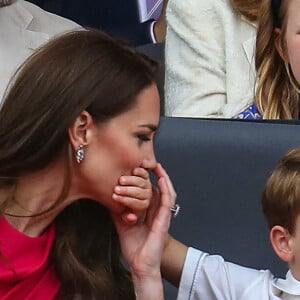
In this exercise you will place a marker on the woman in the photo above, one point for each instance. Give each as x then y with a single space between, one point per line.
76 131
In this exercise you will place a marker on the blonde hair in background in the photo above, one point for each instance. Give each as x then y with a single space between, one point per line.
277 93
248 8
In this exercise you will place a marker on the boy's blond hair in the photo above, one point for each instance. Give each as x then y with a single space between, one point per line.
281 197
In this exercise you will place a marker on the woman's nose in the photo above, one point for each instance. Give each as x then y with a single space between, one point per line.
150 161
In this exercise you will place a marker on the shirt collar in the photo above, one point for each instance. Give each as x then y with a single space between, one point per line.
290 285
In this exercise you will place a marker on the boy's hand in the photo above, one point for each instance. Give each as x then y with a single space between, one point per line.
135 192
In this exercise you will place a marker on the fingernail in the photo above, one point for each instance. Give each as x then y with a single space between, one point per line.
122 180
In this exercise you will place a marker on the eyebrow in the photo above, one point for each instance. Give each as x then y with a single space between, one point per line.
150 126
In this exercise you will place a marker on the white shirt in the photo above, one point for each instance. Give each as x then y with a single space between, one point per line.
209 277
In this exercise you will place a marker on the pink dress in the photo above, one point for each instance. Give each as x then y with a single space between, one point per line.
26 272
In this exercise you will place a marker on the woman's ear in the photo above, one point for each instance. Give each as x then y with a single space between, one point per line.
79 131
282 242
278 44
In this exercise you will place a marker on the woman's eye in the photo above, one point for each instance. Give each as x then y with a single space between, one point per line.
144 137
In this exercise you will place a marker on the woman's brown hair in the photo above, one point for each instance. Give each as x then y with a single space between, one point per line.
82 70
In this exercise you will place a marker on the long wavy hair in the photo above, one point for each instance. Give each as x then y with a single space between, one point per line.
248 8
277 93
82 70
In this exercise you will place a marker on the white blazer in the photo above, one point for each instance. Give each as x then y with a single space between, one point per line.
23 28
209 59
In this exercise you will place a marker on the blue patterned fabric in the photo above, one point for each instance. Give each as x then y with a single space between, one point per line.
250 113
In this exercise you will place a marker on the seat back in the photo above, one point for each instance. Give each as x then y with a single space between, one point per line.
219 169
157 52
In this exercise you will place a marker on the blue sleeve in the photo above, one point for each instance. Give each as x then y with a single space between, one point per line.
250 113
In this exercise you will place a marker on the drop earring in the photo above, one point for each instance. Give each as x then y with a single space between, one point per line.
79 154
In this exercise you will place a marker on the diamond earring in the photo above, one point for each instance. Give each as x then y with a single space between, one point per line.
79 154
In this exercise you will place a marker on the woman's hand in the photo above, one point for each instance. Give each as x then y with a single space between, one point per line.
143 243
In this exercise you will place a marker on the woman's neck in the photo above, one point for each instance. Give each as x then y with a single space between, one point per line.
36 193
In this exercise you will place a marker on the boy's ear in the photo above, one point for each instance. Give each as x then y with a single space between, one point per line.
279 46
79 131
281 241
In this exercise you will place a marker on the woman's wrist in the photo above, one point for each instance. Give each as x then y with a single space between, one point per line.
148 287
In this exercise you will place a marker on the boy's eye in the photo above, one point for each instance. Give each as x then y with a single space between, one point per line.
144 137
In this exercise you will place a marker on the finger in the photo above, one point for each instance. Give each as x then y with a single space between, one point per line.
133 192
155 192
161 173
160 206
166 198
132 203
134 181
128 218
141 172
161 222
131 218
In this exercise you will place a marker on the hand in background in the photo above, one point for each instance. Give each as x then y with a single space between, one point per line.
160 27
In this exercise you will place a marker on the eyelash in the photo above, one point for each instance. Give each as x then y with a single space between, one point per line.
144 138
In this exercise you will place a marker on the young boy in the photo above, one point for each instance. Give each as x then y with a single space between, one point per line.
208 277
